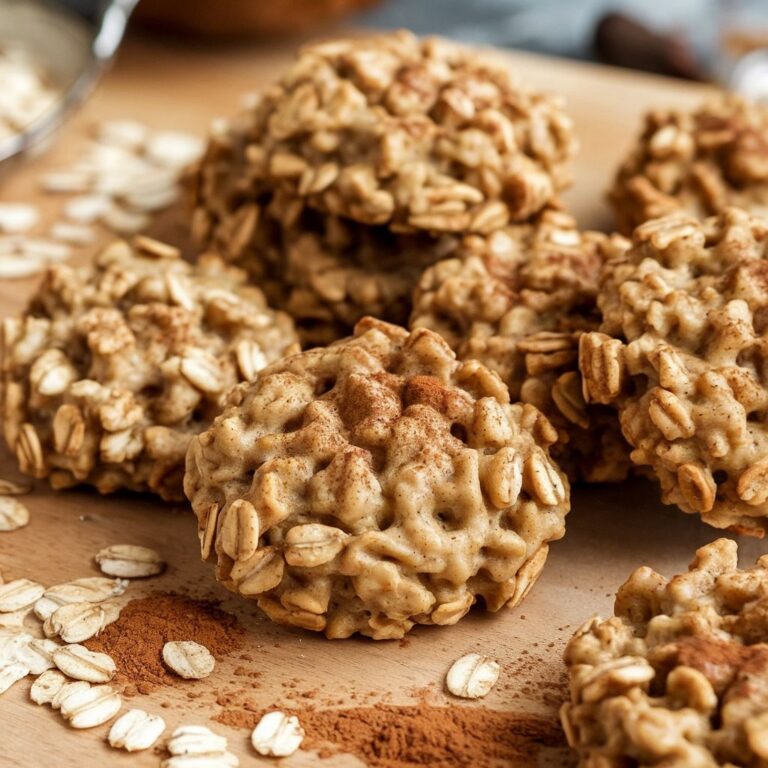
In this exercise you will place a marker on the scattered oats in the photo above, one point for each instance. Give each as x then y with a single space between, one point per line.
10 644
45 688
19 594
123 221
174 149
37 654
135 730
76 234
193 746
11 673
44 249
14 620
152 247
129 134
129 562
13 514
77 622
78 662
277 735
195 740
66 690
220 760
17 217
87 209
17 266
9 488
92 589
66 181
472 676
152 200
87 708
188 659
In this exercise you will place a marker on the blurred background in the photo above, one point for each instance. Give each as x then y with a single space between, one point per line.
721 41
696 39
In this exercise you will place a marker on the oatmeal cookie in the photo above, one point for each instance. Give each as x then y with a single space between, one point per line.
391 130
679 676
696 162
682 352
115 366
518 300
376 484
328 272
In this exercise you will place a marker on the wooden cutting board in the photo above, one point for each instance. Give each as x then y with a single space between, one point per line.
611 530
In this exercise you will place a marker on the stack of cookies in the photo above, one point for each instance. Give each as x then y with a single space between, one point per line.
368 161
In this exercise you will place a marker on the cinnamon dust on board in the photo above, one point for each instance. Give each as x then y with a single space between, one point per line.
388 736
135 641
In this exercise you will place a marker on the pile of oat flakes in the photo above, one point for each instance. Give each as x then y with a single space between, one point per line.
391 205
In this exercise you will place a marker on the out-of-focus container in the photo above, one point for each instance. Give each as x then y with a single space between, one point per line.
244 18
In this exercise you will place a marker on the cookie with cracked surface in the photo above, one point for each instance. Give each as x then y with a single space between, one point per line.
518 300
376 484
392 130
114 366
679 676
681 353
697 162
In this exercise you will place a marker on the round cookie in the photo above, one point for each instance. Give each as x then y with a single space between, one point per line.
328 272
678 677
391 130
376 484
682 353
698 162
517 300
114 366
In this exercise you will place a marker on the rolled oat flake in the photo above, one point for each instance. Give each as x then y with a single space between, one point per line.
128 561
80 621
87 708
11 673
82 664
19 594
277 735
13 514
472 676
188 659
37 654
92 589
45 688
136 730
194 746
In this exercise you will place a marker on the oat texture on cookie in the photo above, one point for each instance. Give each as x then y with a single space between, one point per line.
677 678
414 134
698 161
681 353
114 366
518 300
375 484
364 164
327 272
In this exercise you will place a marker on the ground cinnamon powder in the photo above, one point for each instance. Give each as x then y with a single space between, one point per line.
135 641
389 736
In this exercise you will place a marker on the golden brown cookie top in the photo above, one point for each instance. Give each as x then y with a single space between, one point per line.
417 134
423 486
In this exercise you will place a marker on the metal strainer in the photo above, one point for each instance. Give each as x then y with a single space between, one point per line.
74 41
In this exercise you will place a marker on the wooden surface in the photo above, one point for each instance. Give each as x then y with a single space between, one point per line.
611 530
